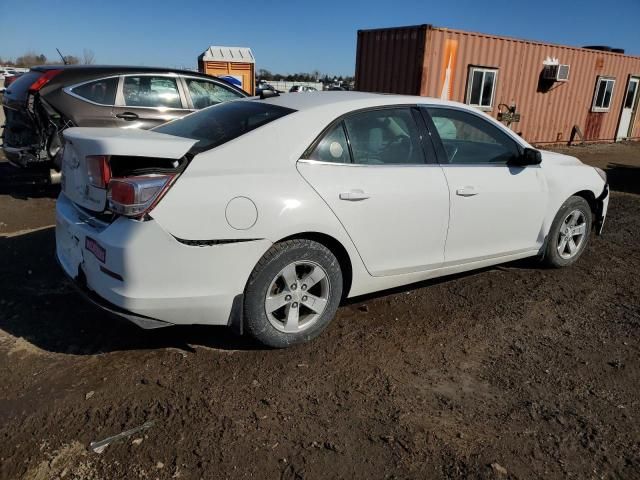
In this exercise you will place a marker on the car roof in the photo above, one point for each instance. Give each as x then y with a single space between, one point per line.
115 68
340 102
316 110
78 73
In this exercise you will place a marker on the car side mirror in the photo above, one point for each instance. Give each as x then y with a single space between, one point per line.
268 94
530 156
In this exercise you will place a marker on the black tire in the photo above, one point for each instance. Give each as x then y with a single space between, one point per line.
552 257
279 256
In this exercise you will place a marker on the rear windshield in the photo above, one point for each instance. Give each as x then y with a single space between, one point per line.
221 123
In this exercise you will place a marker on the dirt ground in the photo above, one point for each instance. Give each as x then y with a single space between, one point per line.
514 371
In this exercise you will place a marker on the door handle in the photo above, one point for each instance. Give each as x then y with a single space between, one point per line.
354 196
468 191
128 116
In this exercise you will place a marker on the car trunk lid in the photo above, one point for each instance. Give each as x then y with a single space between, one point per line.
81 143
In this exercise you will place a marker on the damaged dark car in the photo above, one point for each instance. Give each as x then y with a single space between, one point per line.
45 101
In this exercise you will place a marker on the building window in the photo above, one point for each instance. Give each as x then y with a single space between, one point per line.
481 87
604 92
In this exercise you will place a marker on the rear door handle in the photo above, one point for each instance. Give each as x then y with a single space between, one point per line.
354 196
128 116
468 191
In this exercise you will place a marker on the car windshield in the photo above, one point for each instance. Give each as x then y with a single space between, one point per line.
221 123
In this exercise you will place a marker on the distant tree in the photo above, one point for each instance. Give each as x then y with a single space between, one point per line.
30 59
313 76
71 60
88 57
265 74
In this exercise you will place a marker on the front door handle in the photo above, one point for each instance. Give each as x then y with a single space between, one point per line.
128 116
354 195
468 191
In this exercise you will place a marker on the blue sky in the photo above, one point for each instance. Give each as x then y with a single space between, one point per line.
291 36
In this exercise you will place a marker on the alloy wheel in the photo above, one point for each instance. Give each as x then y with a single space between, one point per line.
297 296
572 234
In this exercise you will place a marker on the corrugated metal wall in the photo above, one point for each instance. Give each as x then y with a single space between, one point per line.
547 116
390 60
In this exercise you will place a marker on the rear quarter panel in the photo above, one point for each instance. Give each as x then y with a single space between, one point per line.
260 166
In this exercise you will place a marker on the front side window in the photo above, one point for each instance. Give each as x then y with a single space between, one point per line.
333 147
603 95
221 123
470 139
150 91
99 91
388 136
481 87
204 93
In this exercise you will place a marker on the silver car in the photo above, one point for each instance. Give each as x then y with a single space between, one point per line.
45 101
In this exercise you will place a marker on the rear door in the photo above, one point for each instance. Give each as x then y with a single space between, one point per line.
92 102
496 208
148 100
378 174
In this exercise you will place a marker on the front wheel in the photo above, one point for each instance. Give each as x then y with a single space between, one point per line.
293 293
569 233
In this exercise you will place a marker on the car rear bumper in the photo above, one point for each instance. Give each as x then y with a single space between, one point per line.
21 156
139 271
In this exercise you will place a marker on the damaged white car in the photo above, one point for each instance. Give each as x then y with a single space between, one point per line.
264 214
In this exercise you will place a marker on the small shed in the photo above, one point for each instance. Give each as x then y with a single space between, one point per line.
234 64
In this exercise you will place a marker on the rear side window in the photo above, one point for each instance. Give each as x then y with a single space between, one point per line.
221 123
101 91
149 91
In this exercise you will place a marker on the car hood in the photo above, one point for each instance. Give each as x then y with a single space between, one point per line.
559 158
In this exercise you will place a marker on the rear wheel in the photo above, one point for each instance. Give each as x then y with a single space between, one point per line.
293 293
569 233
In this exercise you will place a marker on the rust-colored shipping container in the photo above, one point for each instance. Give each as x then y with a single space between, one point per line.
234 64
555 89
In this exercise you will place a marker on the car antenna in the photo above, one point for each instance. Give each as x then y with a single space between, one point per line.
64 60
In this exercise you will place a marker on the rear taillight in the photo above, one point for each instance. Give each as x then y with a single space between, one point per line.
98 170
43 80
134 196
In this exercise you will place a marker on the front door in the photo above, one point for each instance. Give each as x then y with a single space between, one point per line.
146 101
496 208
392 201
628 109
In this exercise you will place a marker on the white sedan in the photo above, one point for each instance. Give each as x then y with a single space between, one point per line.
264 214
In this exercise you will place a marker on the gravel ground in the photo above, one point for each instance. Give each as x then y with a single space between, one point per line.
514 371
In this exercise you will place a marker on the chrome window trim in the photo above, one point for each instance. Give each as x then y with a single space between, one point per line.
69 90
376 165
